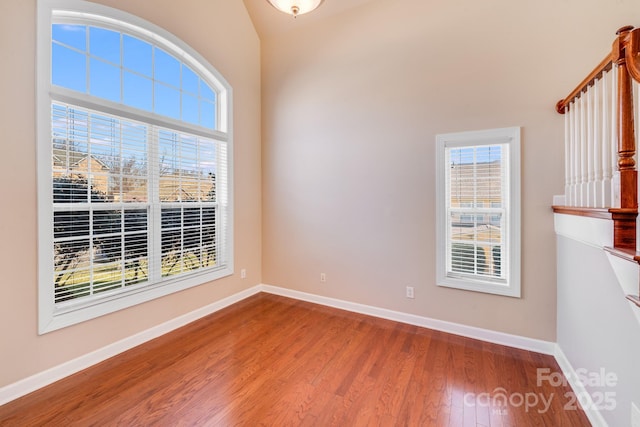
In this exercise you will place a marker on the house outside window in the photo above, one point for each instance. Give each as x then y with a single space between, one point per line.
134 163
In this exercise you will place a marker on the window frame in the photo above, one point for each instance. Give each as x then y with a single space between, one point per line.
511 286
52 316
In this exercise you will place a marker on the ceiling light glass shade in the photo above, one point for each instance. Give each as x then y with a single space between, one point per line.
295 7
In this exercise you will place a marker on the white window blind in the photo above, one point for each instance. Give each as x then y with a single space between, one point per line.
100 202
478 211
106 200
476 177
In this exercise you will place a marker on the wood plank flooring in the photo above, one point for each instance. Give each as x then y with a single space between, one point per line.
273 361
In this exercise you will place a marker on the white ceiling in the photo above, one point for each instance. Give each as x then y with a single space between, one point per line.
269 21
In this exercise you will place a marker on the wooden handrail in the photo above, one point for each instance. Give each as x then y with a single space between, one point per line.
632 53
604 66
629 42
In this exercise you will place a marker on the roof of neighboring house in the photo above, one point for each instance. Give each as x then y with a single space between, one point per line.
75 158
487 177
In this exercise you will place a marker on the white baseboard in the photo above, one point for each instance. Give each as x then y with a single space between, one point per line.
539 346
44 378
49 376
588 405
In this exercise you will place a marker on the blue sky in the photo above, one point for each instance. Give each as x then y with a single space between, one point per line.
475 154
124 69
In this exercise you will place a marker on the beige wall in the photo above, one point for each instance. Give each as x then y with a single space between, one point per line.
222 32
351 106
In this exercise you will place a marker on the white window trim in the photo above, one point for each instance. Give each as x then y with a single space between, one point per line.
50 317
511 136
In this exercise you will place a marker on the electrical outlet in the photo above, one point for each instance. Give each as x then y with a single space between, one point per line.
635 415
323 277
409 291
243 273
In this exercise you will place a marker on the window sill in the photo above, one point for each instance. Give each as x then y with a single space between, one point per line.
57 318
509 290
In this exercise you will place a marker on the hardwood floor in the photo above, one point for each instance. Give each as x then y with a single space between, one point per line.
273 361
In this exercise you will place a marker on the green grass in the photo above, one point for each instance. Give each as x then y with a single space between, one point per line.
77 284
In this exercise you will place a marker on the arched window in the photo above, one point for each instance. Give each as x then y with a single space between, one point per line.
134 164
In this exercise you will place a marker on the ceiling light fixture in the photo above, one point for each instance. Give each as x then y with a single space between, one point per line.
295 7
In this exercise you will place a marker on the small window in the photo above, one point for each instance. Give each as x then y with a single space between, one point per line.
478 211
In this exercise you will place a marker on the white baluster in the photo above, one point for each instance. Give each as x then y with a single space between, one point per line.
615 181
597 145
588 99
567 157
572 155
577 151
584 153
607 170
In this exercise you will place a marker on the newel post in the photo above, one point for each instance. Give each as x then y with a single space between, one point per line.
625 216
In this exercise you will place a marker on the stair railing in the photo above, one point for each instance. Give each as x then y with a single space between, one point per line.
600 141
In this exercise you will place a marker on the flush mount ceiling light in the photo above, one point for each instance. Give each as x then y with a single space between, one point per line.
295 7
